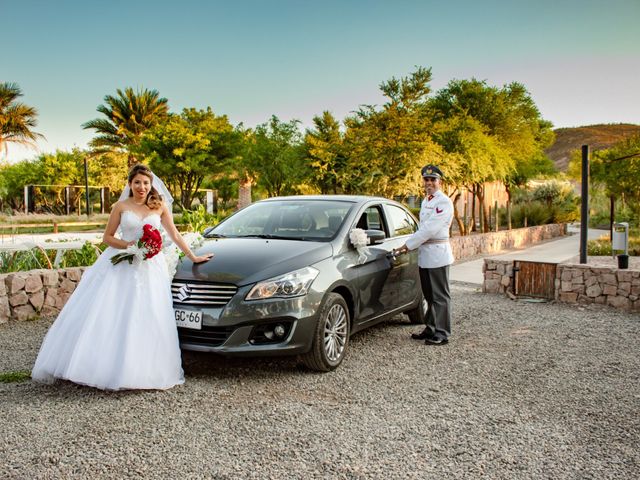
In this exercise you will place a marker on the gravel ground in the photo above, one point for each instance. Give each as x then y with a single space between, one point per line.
524 390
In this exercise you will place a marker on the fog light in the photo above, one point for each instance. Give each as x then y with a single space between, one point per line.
279 330
266 333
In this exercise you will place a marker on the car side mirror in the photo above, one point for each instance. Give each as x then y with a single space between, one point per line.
375 236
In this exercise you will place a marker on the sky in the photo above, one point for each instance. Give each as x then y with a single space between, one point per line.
251 59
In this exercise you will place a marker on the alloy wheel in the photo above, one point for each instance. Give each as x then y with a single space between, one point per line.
335 333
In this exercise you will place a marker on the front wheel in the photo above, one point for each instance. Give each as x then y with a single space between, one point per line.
331 336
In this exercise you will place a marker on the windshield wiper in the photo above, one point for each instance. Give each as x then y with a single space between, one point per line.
214 235
272 237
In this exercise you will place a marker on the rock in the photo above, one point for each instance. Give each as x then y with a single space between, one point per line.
593 291
33 283
24 312
49 311
568 297
37 300
608 278
610 290
5 310
50 278
618 302
50 298
74 274
625 276
15 282
625 287
20 298
491 286
591 281
62 298
67 285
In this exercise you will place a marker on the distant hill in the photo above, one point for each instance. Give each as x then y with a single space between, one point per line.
597 137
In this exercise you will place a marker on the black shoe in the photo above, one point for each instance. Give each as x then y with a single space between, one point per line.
421 336
435 341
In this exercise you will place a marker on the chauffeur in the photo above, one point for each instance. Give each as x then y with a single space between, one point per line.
434 257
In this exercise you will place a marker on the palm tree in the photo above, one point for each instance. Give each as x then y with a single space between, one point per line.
16 118
128 114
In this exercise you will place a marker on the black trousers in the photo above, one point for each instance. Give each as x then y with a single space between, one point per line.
435 288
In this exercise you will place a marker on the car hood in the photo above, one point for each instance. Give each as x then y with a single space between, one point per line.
242 261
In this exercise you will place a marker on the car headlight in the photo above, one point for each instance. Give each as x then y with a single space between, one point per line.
292 284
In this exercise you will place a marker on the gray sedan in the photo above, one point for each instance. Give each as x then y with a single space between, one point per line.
287 278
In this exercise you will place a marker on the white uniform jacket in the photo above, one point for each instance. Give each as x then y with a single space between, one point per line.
432 237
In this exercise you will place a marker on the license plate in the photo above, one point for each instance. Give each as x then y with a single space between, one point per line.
188 318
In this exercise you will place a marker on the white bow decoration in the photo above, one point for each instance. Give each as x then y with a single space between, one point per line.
359 240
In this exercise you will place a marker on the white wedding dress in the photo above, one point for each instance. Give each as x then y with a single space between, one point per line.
117 330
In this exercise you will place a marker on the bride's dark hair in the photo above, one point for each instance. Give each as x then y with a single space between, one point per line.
154 199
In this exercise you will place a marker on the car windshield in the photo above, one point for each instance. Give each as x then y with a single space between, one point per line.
315 220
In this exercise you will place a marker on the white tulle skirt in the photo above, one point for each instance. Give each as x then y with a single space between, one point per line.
117 330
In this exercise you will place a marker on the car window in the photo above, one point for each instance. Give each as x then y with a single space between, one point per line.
401 222
371 219
303 219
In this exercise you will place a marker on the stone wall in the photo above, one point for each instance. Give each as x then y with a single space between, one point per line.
28 295
575 283
472 245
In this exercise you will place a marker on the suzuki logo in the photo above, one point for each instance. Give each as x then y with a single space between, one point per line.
184 293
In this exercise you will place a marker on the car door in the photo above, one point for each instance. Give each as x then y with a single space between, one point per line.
375 279
404 274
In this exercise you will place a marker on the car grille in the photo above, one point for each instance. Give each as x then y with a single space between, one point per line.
203 294
210 336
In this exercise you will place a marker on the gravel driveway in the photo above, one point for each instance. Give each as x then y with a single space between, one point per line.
524 390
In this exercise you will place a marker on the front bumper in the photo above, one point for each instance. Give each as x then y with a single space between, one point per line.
228 330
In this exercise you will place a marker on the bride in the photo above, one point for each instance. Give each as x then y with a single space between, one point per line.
117 330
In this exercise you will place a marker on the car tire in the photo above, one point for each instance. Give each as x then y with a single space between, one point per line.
418 314
331 336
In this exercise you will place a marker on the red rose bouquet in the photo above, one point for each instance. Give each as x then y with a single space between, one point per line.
148 246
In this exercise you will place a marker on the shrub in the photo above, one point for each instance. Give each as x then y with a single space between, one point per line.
535 212
198 219
83 257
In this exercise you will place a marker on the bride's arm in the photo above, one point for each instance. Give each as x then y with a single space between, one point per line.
112 226
172 231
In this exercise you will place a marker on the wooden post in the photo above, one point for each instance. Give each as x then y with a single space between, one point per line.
244 193
495 209
67 200
86 186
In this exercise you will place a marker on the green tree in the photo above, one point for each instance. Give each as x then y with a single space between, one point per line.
325 154
13 178
473 157
387 146
616 172
505 120
128 115
186 148
275 156
17 120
